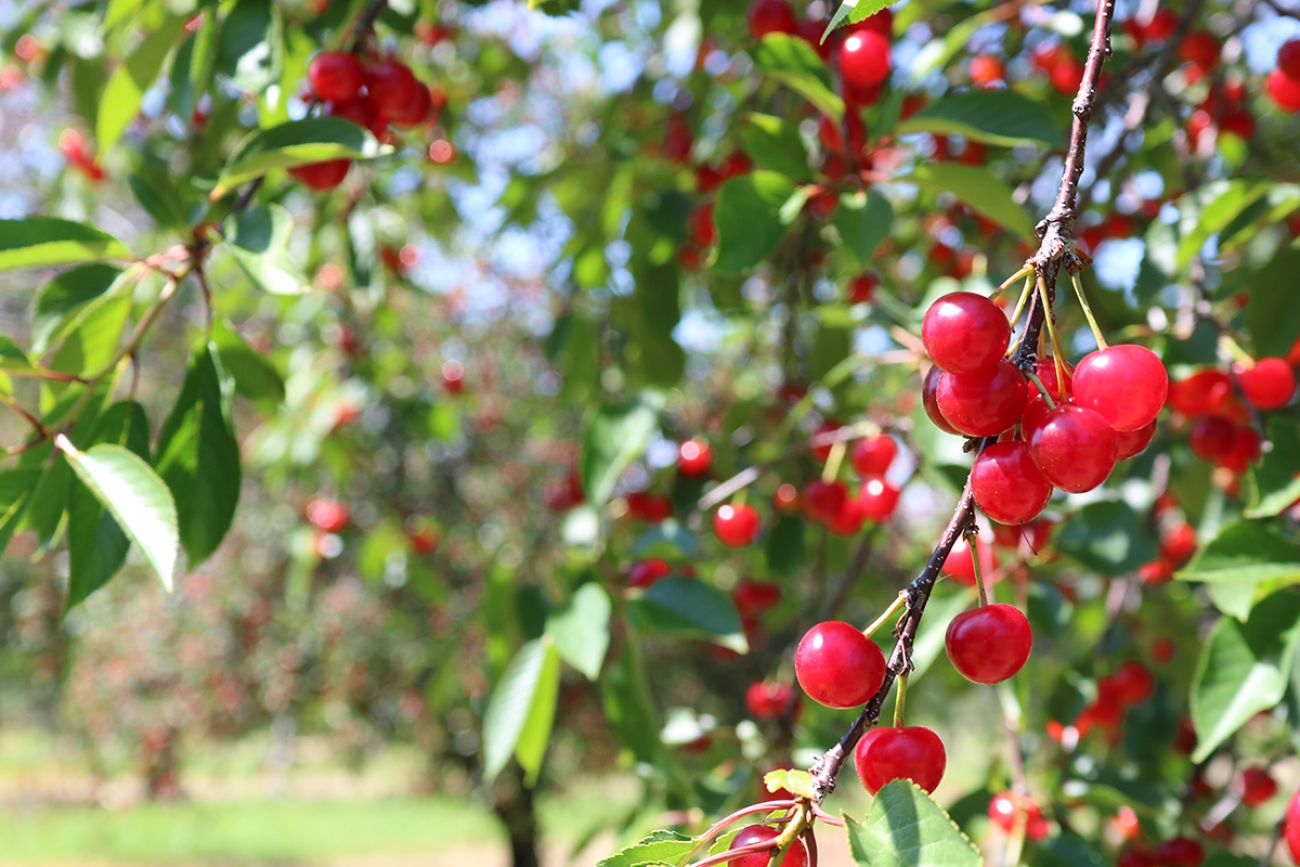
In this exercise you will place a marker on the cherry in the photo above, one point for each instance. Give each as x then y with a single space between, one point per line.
986 70
1245 450
1284 90
824 500
861 288
453 376
694 458
752 598
1291 828
881 22
877 500
652 508
1074 447
1125 383
1288 59
1200 49
849 519
911 752
423 541
795 856
1211 438
838 666
765 700
336 76
1131 443
771 16
959 566
1066 75
328 515
872 456
1179 852
965 333
1132 682
930 400
359 112
391 86
1178 544
1007 809
990 643
786 498
1256 786
322 176
1268 384
865 58
1035 407
736 526
416 111
983 404
823 451
643 573
1007 485
703 232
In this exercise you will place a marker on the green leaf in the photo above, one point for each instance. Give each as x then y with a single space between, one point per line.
774 143
1272 316
97 547
1245 552
863 221
38 242
793 62
629 709
612 438
1243 669
296 143
1275 480
120 102
580 630
521 710
135 496
255 376
259 244
659 847
997 117
67 294
798 783
198 456
853 11
905 828
747 213
980 190
1107 536
688 607
16 488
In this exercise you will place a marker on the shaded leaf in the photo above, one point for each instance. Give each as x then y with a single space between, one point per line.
796 64
979 189
997 117
612 438
521 710
580 630
688 607
747 214
296 143
38 242
126 86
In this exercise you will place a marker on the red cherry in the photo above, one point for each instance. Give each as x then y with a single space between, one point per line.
703 232
1246 449
983 404
849 519
771 16
990 643
453 376
872 456
1211 438
1132 682
909 753
881 22
1007 809
824 500
1268 384
865 58
795 856
1131 443
736 526
335 76
643 573
1291 828
1192 395
823 451
1162 25
752 598
838 666
322 176
1288 59
652 508
1285 91
1007 485
765 700
391 86
1200 49
861 288
1178 544
1066 76
965 333
1074 447
986 70
694 458
1125 383
359 112
1035 407
1179 852
786 498
930 399
877 500
328 515
1256 786
414 112
960 567
423 542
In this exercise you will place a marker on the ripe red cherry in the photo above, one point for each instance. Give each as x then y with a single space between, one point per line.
694 458
328 515
1246 449
1268 384
1131 443
986 70
1179 544
1200 49
766 700
703 232
909 753
771 16
824 500
322 176
961 568
1007 485
1132 682
752 598
1035 407
1125 383
335 76
1211 438
390 86
1291 828
1192 395
1256 786
1179 852
849 519
965 333
652 508
1288 59
416 111
643 573
930 400
983 404
1008 808
795 856
1284 90
872 456
865 58
861 288
1074 447
838 666
736 526
990 643
359 112
877 500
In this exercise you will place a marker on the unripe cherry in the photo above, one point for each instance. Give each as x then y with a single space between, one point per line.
1007 485
965 333
907 753
1074 447
1127 384
989 644
795 856
983 404
736 525
838 666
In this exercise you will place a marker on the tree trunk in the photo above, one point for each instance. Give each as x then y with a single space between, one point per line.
517 811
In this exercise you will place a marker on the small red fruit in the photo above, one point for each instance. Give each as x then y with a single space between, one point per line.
911 752
1211 438
694 458
643 573
336 76
771 16
861 288
1074 447
1284 90
321 176
960 567
328 515
1291 828
1179 852
965 333
1268 384
824 500
1008 809
391 86
986 70
1288 59
1179 544
930 400
767 700
736 526
1132 682
1125 383
838 666
877 500
990 643
1256 786
872 456
1132 443
865 58
983 404
1007 485
1200 49
795 856
414 112
752 598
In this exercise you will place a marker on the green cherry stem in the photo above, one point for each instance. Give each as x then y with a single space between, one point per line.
899 601
1042 389
900 701
1087 310
833 461
1024 271
1050 320
1025 292
972 543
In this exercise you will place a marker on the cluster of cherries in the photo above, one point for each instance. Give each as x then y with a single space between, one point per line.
1284 81
1072 433
373 95
1219 431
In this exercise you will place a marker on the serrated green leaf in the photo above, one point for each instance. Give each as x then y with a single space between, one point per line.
39 242
863 220
747 213
796 782
904 827
580 630
659 847
1245 552
791 61
296 143
997 117
688 607
521 710
853 11
979 189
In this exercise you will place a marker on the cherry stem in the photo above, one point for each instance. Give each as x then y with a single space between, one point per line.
1042 389
1050 321
717 827
899 601
972 543
1235 350
1025 292
900 701
1087 310
833 461
1025 270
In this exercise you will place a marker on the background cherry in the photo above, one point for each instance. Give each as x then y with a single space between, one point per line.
336 76
736 525
694 458
1268 384
872 456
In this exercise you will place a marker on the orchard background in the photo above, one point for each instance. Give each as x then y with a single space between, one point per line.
430 428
